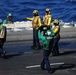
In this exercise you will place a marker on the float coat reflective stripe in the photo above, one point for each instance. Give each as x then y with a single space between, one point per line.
47 20
36 22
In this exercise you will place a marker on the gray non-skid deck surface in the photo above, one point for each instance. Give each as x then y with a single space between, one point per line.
22 60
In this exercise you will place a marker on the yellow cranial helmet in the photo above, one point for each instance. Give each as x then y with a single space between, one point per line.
56 21
47 10
35 12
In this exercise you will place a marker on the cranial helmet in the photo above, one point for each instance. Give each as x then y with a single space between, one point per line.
44 28
35 12
10 14
56 21
47 10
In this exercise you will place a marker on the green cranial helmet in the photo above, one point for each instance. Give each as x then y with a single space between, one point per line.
10 15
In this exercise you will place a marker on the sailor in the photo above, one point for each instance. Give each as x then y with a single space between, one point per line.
47 46
2 38
0 25
9 19
36 23
56 30
47 18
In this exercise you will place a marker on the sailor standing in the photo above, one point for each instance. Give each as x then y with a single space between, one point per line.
36 23
56 30
47 18
47 47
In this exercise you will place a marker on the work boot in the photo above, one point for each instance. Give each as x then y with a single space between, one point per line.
3 54
33 47
37 48
42 67
50 71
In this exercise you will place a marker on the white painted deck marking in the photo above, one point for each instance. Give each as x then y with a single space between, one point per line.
39 65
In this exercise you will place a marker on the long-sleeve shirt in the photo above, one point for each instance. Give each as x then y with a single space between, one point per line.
36 22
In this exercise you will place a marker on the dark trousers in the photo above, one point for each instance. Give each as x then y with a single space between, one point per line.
35 38
45 60
46 54
2 40
55 50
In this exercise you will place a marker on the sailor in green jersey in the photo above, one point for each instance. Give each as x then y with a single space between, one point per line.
47 46
9 19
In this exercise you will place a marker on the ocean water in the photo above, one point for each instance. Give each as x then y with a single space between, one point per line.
60 9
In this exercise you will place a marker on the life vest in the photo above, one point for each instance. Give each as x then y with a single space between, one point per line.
35 23
3 32
46 19
57 32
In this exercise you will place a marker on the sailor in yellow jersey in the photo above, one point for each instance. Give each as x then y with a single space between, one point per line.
47 18
56 30
36 23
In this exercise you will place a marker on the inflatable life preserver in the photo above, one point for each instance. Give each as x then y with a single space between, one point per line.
3 32
3 35
2 41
